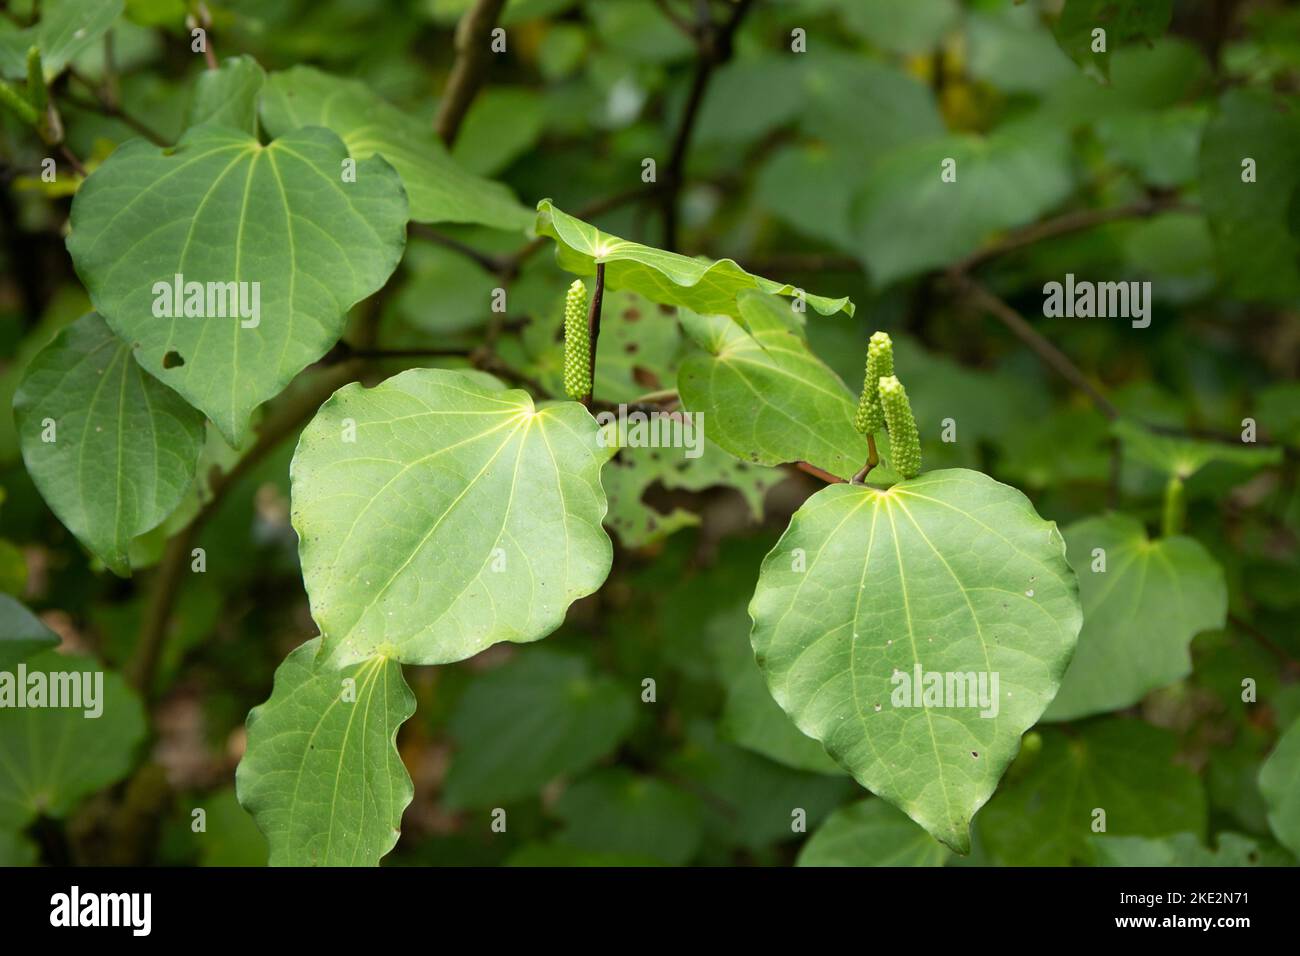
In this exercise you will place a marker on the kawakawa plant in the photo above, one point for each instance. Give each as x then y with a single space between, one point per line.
439 513
914 624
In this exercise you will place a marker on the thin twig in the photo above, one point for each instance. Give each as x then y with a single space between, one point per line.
167 580
380 354
1265 642
816 472
1068 223
104 108
680 22
1047 353
467 72
715 48
873 459
593 330
75 163
209 51
491 263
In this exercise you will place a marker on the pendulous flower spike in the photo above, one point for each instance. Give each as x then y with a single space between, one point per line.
577 347
870 417
904 440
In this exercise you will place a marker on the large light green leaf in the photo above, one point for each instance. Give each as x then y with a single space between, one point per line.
51 758
664 277
1279 782
950 573
440 190
1139 614
321 774
1259 254
220 207
765 397
871 833
21 633
615 811
227 96
1046 815
66 27
1184 457
1007 179
125 446
538 717
437 516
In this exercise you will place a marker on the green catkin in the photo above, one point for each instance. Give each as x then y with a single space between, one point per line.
870 417
904 441
577 347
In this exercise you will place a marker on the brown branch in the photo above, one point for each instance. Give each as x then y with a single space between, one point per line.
167 580
75 163
816 472
107 102
486 361
677 20
1047 353
104 108
470 67
1068 223
715 48
873 459
1266 642
593 331
491 263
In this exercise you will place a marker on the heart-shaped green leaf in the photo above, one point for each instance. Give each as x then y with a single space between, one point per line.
1184 457
1143 602
437 516
112 451
1279 783
321 774
765 397
664 277
951 578
53 757
538 717
221 208
871 833
440 190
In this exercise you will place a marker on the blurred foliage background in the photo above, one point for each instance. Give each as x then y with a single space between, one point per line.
816 168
